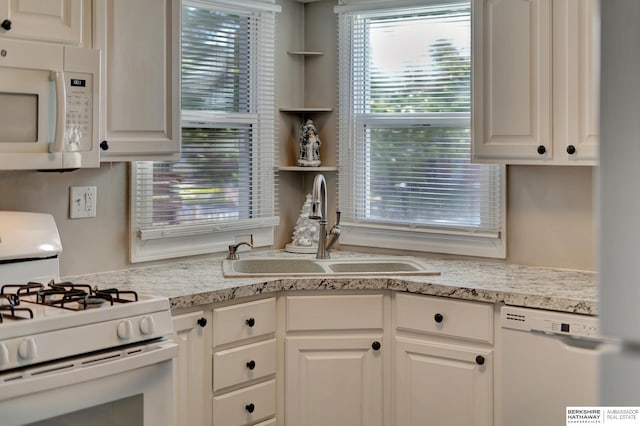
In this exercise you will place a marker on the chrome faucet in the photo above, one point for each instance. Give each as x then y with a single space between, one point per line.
232 255
319 212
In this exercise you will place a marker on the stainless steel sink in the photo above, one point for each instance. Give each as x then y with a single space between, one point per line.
275 266
378 267
287 267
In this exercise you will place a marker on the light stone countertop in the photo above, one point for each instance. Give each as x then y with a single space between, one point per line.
199 282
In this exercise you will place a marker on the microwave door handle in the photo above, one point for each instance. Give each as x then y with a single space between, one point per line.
61 110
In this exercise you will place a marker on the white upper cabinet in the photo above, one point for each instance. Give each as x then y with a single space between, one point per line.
535 82
576 80
56 21
140 96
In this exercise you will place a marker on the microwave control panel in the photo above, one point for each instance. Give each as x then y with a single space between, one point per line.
79 118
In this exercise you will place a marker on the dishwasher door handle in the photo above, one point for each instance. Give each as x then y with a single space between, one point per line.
586 343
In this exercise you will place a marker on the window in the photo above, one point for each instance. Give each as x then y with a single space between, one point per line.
223 184
406 180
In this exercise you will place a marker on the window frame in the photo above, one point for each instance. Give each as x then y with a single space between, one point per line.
410 237
176 241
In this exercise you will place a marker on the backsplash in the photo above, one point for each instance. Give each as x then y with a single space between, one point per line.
549 213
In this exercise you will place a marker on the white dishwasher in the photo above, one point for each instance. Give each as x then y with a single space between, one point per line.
549 362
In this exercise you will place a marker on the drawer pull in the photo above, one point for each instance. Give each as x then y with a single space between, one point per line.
376 346
250 322
480 360
202 322
438 318
251 365
250 408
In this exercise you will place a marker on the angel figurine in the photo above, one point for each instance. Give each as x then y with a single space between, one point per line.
309 146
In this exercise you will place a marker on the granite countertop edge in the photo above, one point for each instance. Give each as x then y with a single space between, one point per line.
199 282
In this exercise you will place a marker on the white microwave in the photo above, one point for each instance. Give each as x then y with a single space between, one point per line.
49 106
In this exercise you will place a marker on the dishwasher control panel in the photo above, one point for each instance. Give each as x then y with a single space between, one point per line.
527 319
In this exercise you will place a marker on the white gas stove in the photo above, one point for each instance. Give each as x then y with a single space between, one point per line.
52 330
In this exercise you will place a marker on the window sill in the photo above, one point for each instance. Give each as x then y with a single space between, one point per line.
191 245
425 241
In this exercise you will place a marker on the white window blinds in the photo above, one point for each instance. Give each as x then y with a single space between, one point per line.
405 113
225 178
404 124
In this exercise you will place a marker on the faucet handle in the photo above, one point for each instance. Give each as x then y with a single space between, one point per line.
338 213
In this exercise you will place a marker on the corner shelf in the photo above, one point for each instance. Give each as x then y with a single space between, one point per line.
308 169
304 53
298 110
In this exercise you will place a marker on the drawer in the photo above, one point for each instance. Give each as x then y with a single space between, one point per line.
245 406
338 312
248 362
238 322
446 317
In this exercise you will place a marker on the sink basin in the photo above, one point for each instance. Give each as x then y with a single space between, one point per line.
378 267
285 267
276 266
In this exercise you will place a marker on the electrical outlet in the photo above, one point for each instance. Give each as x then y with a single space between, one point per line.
82 201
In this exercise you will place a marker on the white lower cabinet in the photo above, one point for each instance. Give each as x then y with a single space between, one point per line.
244 364
443 362
442 385
334 380
334 352
320 359
189 369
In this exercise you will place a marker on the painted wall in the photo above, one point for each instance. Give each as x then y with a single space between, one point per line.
89 244
549 209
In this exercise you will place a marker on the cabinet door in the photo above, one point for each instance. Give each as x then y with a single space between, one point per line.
442 385
512 80
335 381
576 80
189 370
57 21
140 98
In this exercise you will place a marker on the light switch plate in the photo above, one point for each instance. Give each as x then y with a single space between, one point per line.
82 201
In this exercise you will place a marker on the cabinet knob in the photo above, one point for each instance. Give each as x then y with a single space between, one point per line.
6 24
251 365
104 145
541 149
250 322
480 360
202 322
250 408
438 318
376 346
571 149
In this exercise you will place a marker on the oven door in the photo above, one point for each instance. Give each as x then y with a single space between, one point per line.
125 387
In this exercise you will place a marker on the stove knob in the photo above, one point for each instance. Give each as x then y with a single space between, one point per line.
4 355
27 349
147 325
124 330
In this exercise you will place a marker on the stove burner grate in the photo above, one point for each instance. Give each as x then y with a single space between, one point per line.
65 295
9 307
